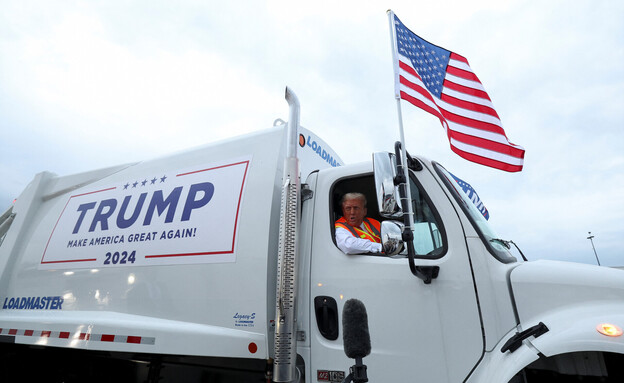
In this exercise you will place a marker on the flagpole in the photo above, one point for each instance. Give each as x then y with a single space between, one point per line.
397 96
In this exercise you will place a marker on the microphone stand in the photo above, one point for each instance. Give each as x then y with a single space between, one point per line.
357 373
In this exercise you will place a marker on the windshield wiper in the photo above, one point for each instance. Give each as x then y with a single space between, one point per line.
506 244
501 241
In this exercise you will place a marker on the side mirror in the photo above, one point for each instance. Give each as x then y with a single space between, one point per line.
384 167
392 237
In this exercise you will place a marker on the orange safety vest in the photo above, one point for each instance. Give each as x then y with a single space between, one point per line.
371 230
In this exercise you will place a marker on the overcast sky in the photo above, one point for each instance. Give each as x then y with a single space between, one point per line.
91 84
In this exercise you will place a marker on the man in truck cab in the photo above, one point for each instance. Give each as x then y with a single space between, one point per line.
356 233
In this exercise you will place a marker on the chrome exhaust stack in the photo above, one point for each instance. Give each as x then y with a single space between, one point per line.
284 364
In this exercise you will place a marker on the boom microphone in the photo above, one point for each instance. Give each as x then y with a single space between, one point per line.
355 334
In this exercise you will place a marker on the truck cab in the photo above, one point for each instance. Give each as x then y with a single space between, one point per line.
456 327
404 312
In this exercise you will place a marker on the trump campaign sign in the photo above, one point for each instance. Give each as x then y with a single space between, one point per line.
178 217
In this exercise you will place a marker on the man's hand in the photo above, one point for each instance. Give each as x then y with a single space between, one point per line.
390 246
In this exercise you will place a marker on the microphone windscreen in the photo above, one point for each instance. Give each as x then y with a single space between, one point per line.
355 334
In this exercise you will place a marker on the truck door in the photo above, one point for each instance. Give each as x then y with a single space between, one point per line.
419 332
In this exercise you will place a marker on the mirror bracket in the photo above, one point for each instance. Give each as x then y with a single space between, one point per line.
413 163
426 273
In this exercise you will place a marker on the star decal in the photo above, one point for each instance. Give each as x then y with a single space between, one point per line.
146 182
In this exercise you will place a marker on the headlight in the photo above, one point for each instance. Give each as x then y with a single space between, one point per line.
609 329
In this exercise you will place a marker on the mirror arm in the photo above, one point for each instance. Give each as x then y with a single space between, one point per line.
412 163
426 273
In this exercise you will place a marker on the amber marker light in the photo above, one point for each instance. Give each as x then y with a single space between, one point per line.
609 329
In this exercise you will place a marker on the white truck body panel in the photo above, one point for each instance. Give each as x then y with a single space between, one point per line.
491 279
68 279
573 300
562 284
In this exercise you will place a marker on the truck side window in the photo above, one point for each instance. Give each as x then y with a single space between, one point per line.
429 235
361 184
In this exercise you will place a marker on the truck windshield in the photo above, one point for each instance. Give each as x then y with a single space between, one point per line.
492 242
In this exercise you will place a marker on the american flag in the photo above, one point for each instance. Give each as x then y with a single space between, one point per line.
473 196
442 83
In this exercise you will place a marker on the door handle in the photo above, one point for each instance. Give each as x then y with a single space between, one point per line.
326 311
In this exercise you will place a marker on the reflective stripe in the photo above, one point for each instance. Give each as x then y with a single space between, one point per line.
343 224
79 336
370 226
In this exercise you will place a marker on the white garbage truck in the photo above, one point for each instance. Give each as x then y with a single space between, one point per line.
220 264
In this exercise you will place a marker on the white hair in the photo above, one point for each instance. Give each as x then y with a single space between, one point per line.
353 195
